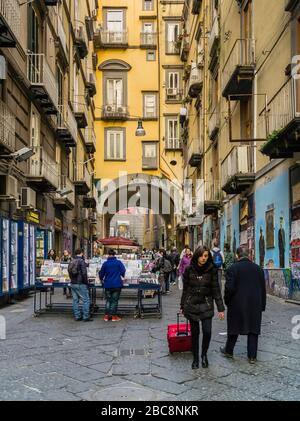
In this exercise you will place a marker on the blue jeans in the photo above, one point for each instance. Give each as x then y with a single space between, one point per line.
173 275
112 296
81 292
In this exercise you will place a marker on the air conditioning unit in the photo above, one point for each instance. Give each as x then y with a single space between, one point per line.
172 91
8 187
121 110
28 198
108 109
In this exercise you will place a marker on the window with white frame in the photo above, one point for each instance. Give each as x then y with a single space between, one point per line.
173 80
173 30
115 26
114 92
172 133
148 5
149 155
114 144
150 105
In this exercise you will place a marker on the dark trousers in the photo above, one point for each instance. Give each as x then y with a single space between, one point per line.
112 296
195 330
252 344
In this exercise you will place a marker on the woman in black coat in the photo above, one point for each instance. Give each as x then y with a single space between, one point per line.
200 290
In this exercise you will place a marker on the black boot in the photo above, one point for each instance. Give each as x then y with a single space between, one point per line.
195 363
204 362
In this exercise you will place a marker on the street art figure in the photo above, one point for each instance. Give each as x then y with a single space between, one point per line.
281 243
262 249
234 243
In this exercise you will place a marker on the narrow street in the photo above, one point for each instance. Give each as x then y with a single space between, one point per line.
54 358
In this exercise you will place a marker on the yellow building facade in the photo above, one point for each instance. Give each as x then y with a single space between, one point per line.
139 78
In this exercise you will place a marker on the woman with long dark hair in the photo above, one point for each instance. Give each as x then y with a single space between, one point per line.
200 290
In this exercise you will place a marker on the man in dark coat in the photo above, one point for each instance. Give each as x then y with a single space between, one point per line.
245 297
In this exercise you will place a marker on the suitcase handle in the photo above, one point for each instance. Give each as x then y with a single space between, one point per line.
187 327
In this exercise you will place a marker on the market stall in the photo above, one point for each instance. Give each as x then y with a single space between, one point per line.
137 284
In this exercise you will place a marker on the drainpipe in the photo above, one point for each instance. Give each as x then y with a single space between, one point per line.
159 80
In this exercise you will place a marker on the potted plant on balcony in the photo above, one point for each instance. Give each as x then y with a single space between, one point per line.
271 141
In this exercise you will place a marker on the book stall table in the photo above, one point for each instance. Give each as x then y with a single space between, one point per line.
137 285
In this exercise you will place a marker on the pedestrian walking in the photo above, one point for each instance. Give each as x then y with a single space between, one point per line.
175 259
185 261
111 274
200 290
66 258
218 259
79 286
164 267
229 258
186 247
245 298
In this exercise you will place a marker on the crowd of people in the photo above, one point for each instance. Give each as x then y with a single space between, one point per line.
199 275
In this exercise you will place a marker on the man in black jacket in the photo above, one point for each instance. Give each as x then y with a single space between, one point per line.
245 297
79 285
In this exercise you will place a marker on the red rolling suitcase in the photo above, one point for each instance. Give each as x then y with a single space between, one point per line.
179 337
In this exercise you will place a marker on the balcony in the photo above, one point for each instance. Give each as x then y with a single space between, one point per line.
283 122
195 153
184 48
91 84
43 172
212 197
82 180
148 40
238 72
173 94
90 139
291 5
66 126
81 39
104 38
9 23
173 144
65 200
80 111
196 82
196 6
114 112
44 86
214 123
7 129
89 201
213 39
62 42
238 173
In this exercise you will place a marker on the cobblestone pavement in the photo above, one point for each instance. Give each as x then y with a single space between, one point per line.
53 357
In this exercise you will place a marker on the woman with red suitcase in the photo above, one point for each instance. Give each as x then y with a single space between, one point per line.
200 290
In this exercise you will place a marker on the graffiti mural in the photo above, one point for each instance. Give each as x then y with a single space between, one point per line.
272 223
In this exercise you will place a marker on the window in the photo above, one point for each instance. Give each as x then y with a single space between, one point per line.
173 29
173 80
114 144
150 106
150 56
148 4
33 31
115 20
114 91
172 133
149 155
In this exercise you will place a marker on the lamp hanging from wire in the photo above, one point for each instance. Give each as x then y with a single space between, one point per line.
140 131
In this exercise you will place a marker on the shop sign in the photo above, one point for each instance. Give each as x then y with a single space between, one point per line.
57 224
33 217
